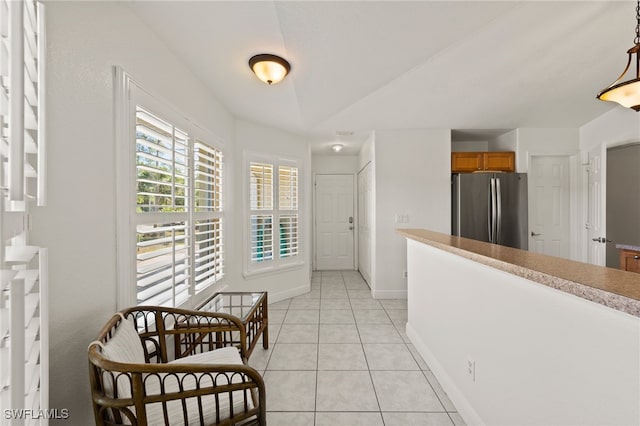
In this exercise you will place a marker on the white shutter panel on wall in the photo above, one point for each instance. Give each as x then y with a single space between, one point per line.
23 274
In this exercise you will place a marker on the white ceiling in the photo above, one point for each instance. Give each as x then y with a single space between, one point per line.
361 65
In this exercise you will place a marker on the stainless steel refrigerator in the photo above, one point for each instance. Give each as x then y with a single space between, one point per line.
491 207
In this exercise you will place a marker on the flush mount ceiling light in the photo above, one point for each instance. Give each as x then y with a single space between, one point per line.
337 147
627 93
269 68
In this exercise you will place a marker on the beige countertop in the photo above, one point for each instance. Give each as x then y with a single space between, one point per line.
614 288
627 247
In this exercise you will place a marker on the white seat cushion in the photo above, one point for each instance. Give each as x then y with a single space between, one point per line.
171 383
227 355
124 346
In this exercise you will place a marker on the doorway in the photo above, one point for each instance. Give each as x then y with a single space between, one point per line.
334 221
623 200
549 207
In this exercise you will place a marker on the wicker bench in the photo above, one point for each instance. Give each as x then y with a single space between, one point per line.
163 366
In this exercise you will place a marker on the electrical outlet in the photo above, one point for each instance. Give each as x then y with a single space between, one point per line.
471 369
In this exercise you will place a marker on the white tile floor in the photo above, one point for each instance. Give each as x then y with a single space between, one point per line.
338 357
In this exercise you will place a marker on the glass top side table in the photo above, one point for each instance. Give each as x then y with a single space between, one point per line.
250 308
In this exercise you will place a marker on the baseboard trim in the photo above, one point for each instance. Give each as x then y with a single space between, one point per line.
469 415
289 293
389 294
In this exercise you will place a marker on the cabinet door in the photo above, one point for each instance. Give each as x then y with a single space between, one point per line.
630 260
500 161
462 162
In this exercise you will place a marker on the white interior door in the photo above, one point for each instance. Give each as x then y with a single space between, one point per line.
365 207
334 222
549 205
596 228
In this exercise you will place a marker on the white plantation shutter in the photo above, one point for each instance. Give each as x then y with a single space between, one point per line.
208 231
288 235
23 267
261 189
261 237
273 221
162 164
288 187
162 270
209 255
261 205
288 210
208 178
177 217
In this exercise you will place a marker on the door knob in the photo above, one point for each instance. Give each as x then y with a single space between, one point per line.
534 234
351 228
601 240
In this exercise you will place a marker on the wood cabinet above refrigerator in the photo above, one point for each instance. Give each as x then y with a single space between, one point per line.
467 162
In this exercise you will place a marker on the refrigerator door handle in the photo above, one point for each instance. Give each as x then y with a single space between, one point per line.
499 210
494 206
489 211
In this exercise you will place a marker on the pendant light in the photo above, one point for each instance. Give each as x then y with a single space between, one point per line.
627 93
269 68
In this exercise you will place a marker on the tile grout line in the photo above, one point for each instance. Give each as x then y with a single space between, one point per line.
366 360
336 282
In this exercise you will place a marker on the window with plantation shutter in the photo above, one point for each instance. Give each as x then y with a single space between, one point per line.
177 218
273 213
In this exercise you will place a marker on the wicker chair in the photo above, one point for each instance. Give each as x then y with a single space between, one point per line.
164 366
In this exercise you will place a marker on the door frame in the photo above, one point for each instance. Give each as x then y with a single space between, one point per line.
572 198
371 223
583 216
314 258
574 225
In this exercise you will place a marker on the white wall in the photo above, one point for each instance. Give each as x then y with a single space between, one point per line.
542 357
334 164
615 126
412 177
565 141
469 146
505 142
367 154
532 141
259 139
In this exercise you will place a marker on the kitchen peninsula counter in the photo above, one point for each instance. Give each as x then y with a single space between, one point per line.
520 338
613 288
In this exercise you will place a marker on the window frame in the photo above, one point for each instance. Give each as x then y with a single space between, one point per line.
128 95
277 263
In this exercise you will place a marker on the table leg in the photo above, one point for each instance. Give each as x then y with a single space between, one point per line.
265 318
